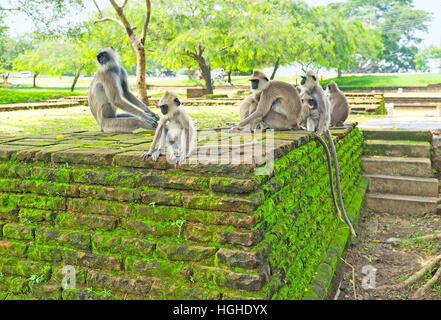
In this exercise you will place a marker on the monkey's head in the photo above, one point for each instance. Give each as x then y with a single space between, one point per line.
169 103
309 80
308 101
107 57
259 81
332 87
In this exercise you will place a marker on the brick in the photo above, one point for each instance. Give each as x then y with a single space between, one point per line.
61 175
36 215
240 259
153 268
160 197
24 268
9 214
232 185
68 238
49 188
230 279
184 252
107 193
10 185
118 283
88 156
85 221
45 253
78 294
19 232
37 202
104 178
12 248
150 228
154 179
228 203
14 285
92 260
123 245
90 205
247 239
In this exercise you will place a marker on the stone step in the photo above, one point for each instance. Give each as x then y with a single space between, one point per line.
413 186
397 166
400 204
397 149
373 134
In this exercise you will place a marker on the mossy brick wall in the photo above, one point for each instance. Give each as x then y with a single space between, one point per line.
137 229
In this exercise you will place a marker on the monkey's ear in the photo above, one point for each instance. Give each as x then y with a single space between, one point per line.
177 101
112 48
314 78
266 79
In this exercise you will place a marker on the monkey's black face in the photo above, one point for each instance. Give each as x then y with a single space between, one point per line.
164 109
254 83
312 103
103 57
303 81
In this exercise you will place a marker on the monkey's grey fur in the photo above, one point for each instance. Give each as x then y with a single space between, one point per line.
339 105
109 90
278 107
311 86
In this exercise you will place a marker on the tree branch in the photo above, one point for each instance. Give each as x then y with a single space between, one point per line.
124 4
109 19
148 5
98 8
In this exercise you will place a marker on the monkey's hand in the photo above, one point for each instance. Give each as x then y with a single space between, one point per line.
155 155
145 155
182 157
238 130
154 115
153 122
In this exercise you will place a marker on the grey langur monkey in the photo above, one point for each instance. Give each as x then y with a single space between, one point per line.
278 105
311 86
339 104
175 129
109 90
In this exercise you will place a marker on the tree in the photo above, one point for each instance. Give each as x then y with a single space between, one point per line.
193 33
42 12
399 23
137 41
424 56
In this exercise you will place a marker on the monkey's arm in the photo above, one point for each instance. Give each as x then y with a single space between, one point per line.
113 93
189 133
158 133
263 107
133 99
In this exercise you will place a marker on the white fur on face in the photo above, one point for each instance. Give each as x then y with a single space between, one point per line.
114 59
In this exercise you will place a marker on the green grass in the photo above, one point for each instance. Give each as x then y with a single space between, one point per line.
399 80
16 95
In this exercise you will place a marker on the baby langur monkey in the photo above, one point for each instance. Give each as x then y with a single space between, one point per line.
249 105
175 129
309 116
311 86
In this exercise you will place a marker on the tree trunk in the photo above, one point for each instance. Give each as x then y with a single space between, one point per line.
140 74
77 75
276 66
206 73
229 76
189 73
35 77
339 73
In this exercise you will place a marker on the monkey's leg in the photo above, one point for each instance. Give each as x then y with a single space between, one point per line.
124 125
337 179
331 179
161 148
124 115
136 112
133 99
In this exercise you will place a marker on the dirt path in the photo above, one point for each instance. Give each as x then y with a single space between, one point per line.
394 261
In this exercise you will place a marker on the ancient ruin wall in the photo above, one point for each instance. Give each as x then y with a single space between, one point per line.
136 229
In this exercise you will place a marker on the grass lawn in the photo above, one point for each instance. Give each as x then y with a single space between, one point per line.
17 95
405 80
56 121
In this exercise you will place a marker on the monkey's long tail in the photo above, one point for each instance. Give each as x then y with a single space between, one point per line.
331 179
337 179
